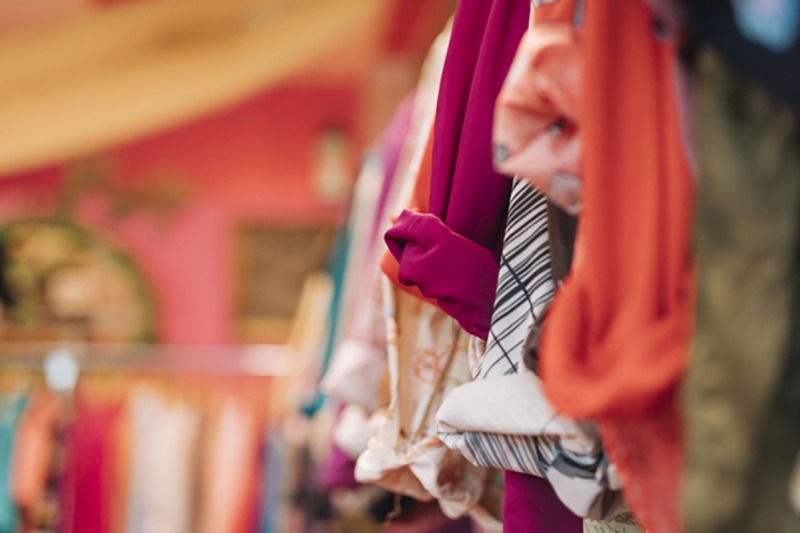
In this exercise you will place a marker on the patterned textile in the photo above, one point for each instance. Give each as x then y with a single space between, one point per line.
503 420
622 523
427 358
524 285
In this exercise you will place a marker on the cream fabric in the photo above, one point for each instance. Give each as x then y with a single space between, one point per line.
427 359
164 440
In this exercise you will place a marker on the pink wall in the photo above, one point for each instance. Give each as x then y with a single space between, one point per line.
250 163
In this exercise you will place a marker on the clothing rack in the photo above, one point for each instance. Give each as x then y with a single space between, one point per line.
266 360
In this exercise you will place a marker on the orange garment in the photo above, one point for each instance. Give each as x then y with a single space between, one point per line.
616 342
419 204
570 11
33 451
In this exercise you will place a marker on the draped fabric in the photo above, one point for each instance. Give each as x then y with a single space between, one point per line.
616 341
427 358
468 199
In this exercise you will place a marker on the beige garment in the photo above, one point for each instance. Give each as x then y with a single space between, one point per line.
231 461
427 359
109 75
164 441
358 370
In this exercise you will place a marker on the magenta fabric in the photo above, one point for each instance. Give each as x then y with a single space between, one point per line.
88 481
338 471
468 199
530 505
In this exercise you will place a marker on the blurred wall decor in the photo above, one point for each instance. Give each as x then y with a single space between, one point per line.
274 263
60 282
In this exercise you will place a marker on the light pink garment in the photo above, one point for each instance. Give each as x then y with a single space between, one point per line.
537 114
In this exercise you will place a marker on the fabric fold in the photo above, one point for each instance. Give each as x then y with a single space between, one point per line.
466 195
446 267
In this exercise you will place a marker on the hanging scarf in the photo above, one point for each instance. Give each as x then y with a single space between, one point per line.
615 346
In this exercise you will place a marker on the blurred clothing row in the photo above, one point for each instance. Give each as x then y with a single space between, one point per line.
134 455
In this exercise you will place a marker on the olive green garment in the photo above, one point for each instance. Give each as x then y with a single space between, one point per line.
622 523
743 424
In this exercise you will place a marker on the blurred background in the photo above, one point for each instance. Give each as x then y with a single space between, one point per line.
175 182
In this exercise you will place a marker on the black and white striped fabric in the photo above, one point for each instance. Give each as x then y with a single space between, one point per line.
524 284
503 419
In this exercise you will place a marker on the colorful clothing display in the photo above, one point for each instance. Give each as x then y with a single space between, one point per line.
563 299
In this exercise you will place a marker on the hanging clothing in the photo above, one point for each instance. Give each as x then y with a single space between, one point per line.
11 410
229 469
503 419
88 483
468 199
615 345
741 396
164 442
427 359
538 111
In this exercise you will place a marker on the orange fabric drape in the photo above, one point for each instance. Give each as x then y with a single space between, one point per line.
616 343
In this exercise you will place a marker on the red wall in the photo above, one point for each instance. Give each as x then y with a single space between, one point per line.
253 162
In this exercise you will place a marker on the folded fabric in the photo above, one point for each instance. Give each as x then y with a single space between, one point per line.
503 419
445 266
427 359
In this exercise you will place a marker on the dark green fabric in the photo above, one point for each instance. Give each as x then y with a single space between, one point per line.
741 405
